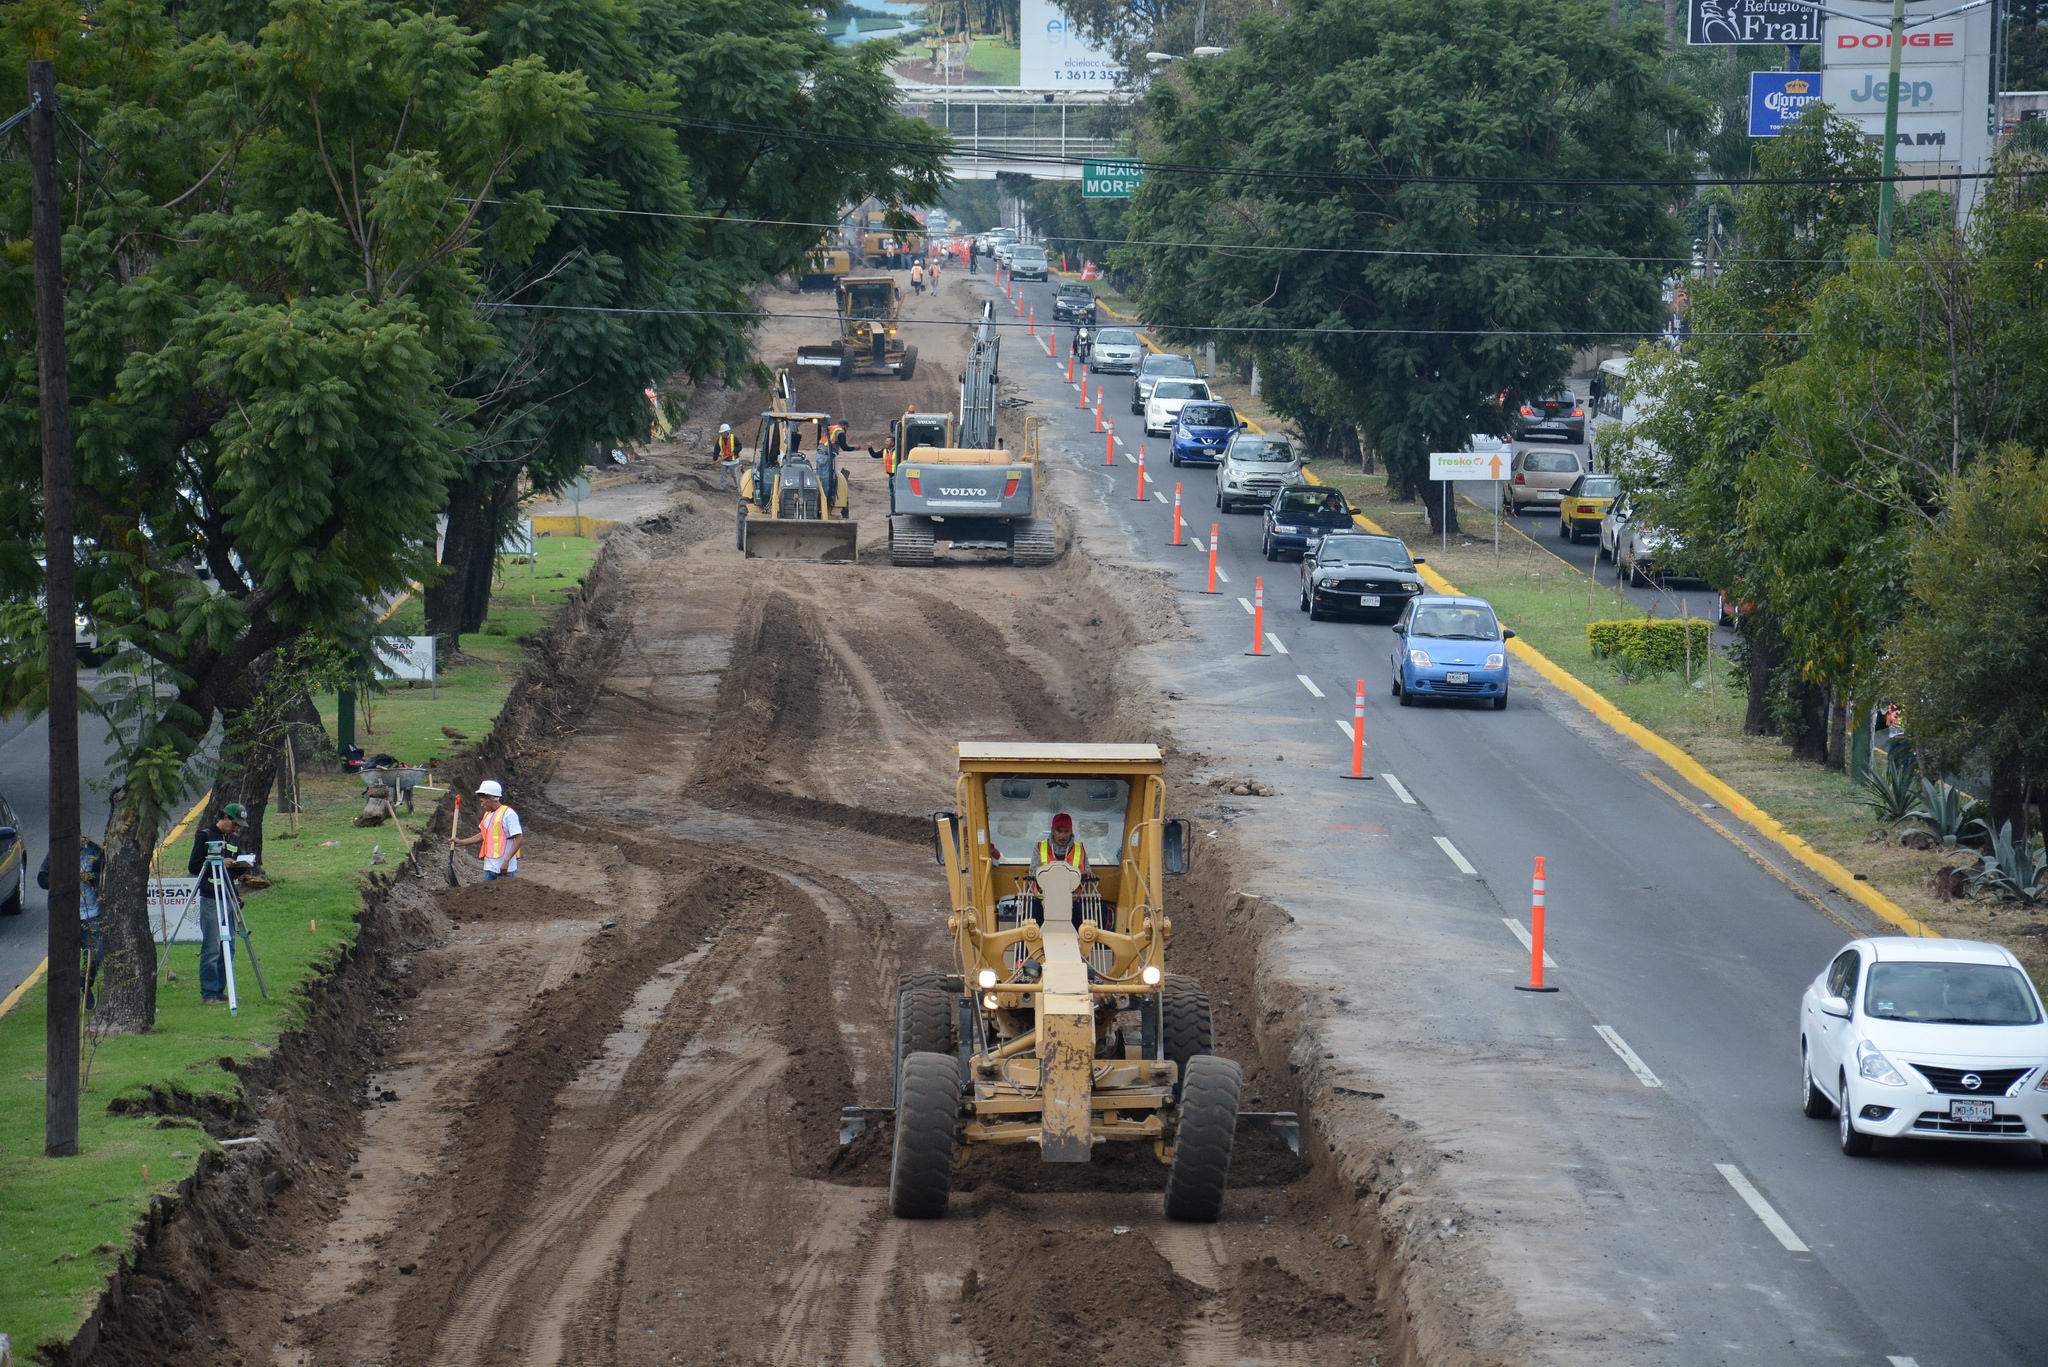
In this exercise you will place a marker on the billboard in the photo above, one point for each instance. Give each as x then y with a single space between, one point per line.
1926 88
1055 56
1944 92
1752 22
1777 97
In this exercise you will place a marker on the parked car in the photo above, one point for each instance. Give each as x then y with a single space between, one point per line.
1357 574
1029 263
13 861
1450 647
1169 395
1116 351
1298 518
1200 433
1156 367
1924 1039
1256 467
1584 506
1074 303
1557 416
1540 475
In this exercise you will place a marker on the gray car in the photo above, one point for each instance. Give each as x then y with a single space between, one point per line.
1256 467
1028 263
1117 351
1155 368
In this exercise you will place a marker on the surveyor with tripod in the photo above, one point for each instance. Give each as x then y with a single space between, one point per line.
214 848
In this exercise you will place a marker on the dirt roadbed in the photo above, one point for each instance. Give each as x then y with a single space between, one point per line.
592 1114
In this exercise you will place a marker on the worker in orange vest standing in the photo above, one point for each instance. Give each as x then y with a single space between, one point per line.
498 834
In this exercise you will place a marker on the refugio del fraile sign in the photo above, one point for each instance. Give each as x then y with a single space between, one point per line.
1753 22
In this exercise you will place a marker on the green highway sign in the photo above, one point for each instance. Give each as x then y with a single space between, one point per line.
1110 179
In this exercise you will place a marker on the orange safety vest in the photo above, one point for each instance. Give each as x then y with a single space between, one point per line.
1075 857
495 840
728 446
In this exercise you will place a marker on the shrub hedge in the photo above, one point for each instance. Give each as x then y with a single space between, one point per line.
1650 645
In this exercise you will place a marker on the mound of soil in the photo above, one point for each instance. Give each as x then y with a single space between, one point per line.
1272 1303
1058 1297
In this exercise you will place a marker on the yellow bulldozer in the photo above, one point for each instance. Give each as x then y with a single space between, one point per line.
1060 1026
870 307
794 499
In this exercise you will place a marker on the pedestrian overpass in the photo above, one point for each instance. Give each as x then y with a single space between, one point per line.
1026 132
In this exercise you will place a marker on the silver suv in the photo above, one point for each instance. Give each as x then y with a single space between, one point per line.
1256 467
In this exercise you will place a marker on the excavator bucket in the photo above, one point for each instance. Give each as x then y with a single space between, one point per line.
801 538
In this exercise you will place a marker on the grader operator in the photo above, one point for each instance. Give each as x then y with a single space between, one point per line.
794 498
1061 1026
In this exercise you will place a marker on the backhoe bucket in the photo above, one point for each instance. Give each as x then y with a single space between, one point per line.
801 538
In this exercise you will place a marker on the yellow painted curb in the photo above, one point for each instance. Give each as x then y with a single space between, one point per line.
592 527
36 975
1694 772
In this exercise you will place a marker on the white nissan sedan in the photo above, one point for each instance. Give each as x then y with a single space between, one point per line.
1925 1039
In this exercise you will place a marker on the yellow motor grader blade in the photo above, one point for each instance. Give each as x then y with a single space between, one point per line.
832 540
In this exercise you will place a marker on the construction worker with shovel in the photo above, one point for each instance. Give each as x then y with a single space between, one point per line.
498 834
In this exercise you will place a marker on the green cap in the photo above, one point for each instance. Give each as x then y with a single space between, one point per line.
235 810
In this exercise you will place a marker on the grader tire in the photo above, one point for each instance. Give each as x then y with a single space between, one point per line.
924 1022
1203 1139
909 366
927 1116
1190 1025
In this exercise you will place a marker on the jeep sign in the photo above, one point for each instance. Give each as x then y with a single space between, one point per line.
1753 23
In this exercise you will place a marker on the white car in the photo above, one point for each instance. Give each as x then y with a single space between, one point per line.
1169 396
1925 1039
1613 528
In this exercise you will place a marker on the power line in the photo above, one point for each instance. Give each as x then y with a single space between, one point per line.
1176 327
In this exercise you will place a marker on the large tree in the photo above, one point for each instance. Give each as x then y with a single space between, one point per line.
272 215
1409 192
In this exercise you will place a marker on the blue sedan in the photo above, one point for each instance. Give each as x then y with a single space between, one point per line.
1200 433
1448 647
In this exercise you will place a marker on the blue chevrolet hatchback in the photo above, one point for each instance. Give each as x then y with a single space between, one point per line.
1446 647
1201 432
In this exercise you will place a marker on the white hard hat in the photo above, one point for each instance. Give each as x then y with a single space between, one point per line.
490 787
724 427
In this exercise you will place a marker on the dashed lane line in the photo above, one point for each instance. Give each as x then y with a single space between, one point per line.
1223 578
1528 940
1161 497
1279 649
1310 685
1244 603
1628 1056
1754 1199
1399 791
1464 864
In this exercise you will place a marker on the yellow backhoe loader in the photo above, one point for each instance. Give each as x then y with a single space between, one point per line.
794 498
1060 1025
869 309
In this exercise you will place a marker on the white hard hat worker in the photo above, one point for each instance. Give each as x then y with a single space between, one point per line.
724 428
499 834
490 787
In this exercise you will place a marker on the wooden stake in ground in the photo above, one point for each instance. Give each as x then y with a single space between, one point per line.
60 590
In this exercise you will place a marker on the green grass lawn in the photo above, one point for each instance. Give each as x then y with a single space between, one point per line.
1549 602
65 1222
994 61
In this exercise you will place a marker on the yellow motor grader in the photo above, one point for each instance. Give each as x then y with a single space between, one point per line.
794 498
870 308
1061 1026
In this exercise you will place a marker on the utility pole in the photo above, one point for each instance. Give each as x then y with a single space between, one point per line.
1888 191
60 590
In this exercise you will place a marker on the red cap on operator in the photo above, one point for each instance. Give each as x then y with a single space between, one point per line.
1062 822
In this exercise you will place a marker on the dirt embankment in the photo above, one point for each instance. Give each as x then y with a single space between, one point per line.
596 1119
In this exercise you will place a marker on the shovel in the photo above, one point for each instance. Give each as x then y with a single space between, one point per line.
454 829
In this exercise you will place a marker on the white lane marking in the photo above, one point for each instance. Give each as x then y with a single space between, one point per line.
1196 541
1244 603
1309 684
1047 345
1222 576
1280 649
1528 940
1345 727
1399 791
1161 497
1897 1361
1628 1056
1754 1199
1464 864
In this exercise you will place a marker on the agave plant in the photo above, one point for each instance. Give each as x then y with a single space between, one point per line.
1893 782
2017 875
1950 813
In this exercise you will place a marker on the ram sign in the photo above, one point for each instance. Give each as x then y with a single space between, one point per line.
1753 22
1777 97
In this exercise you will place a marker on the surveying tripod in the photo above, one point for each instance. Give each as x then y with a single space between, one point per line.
229 922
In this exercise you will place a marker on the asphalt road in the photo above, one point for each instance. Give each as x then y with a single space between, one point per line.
1699 1219
25 779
